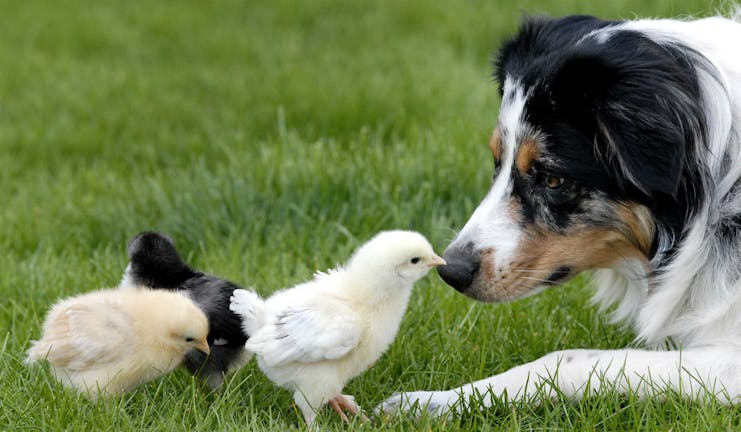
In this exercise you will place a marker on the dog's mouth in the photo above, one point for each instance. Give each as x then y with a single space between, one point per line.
515 283
559 275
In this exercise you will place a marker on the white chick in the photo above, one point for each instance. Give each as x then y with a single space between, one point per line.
106 342
313 338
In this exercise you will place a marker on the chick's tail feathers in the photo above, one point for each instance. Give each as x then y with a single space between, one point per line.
35 353
250 308
43 351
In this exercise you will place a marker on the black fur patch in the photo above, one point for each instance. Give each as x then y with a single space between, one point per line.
621 118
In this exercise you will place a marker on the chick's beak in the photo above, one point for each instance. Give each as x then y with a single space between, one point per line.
203 347
437 261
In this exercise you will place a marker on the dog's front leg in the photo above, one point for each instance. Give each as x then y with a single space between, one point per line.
691 373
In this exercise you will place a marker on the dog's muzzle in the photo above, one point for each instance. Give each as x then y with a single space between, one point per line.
463 263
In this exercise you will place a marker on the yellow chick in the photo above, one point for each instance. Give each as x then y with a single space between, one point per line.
107 342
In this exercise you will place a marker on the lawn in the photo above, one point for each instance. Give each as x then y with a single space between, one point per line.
269 139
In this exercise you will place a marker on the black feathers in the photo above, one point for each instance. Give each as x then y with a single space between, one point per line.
155 263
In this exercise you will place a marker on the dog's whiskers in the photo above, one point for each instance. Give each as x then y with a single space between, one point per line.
537 279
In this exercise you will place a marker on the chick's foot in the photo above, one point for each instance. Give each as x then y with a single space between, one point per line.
342 403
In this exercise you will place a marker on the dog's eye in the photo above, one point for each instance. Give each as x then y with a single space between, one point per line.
552 182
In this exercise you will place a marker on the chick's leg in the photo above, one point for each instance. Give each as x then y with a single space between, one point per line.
306 407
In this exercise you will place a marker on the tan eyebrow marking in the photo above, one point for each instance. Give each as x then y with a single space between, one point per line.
495 144
528 152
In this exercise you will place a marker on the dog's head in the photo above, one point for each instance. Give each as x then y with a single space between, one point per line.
591 151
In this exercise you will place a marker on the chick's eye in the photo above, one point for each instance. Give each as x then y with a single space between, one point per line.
552 182
414 260
189 339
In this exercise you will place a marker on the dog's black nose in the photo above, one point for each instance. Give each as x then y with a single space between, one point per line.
462 266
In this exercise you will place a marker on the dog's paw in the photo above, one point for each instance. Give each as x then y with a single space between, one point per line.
434 403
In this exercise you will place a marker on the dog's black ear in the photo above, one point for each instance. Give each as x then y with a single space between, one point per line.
154 262
640 103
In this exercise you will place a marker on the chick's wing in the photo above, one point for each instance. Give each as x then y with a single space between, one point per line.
307 334
97 335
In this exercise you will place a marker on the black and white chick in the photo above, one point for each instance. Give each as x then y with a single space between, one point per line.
154 262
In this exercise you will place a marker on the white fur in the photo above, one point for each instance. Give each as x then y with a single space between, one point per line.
486 228
694 303
694 281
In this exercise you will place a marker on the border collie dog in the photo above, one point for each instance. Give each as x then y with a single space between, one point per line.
618 149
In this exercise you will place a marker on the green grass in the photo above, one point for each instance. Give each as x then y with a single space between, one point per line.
270 138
